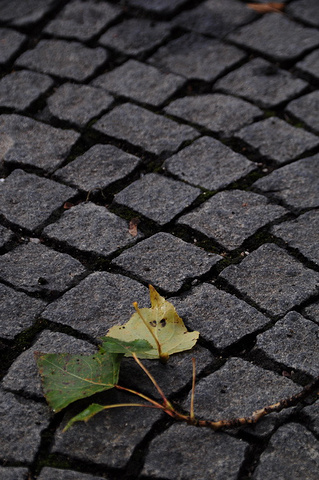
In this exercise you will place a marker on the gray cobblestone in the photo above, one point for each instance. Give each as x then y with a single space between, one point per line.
166 261
216 455
28 142
23 375
313 412
277 37
64 59
5 236
310 64
287 143
231 217
302 234
196 57
273 279
217 112
27 13
261 82
208 163
158 6
98 168
145 129
143 83
135 36
18 312
304 109
78 104
11 41
100 301
295 184
305 10
92 229
48 473
13 473
21 424
82 20
220 317
157 197
312 312
28 200
292 450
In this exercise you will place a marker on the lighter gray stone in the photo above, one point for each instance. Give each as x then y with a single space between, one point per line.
13 473
305 10
28 200
78 104
20 89
21 424
293 342
10 43
302 234
5 236
48 473
313 412
292 453
208 163
26 13
91 228
197 453
273 279
37 268
157 197
219 113
305 109
18 312
166 261
310 64
231 217
28 142
158 6
23 375
145 129
98 168
100 301
221 318
312 312
297 184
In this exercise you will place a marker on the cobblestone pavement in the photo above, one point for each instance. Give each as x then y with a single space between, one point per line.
199 120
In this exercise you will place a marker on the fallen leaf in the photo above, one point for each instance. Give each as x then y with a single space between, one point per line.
133 226
160 325
267 7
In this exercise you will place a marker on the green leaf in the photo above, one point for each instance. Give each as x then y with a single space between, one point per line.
85 415
67 378
115 345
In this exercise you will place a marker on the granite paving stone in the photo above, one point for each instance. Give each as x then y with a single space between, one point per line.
109 438
292 450
166 261
91 228
197 57
261 82
305 10
215 17
220 317
158 6
18 313
139 82
273 279
293 342
33 267
313 412
100 301
304 109
231 217
301 233
25 14
28 200
98 168
215 455
277 37
157 197
28 142
217 112
82 20
21 424
78 104
10 43
5 236
310 65
13 473
287 142
23 375
145 129
296 185
20 89
209 164
64 59
135 36
312 312
48 473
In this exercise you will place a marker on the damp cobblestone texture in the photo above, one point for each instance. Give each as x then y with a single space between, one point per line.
174 143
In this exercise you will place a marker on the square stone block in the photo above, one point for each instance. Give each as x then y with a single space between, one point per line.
25 14
306 11
10 43
305 109
310 65
158 6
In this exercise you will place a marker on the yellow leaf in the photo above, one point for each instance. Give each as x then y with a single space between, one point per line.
160 325
267 7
